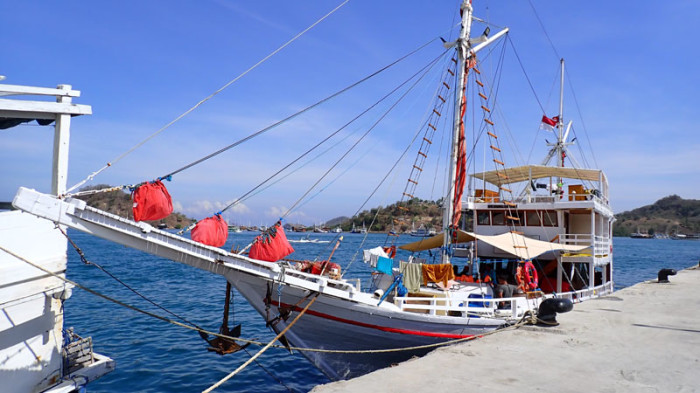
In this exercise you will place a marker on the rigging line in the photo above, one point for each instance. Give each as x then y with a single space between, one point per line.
333 134
118 302
257 133
583 123
425 69
164 319
87 262
242 199
539 129
529 82
580 149
187 112
396 163
543 29
260 352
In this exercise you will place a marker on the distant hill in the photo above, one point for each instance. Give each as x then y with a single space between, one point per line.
417 212
669 215
334 222
120 203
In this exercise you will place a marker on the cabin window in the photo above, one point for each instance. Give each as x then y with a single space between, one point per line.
534 218
498 217
549 218
482 218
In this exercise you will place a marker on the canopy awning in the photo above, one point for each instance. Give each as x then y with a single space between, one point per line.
527 172
518 245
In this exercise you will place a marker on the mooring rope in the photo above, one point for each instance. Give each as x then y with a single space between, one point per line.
244 365
127 286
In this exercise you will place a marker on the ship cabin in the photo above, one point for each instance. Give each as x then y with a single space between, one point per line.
557 205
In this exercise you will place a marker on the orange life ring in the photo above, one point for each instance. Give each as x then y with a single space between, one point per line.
391 251
526 276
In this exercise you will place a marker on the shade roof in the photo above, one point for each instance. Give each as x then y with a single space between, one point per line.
526 172
517 245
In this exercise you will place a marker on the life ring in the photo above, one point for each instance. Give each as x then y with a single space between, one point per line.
391 251
526 276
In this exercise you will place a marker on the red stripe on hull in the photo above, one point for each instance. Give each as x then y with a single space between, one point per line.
370 326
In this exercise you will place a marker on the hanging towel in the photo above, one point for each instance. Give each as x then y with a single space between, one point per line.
384 265
372 255
412 275
438 273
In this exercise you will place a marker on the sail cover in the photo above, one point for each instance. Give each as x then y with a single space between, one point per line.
272 245
151 202
461 167
512 243
212 231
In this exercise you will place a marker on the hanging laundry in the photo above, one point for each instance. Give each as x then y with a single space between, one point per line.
271 245
438 273
151 202
412 275
385 265
212 231
372 255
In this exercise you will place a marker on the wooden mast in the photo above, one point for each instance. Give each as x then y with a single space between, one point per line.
462 46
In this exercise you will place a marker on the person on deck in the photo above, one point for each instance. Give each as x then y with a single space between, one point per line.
504 290
488 275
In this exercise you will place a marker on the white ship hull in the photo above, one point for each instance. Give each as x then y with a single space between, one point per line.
337 324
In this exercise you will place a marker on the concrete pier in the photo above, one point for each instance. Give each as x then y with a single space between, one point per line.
645 338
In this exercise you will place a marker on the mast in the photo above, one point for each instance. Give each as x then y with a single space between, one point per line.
462 46
560 124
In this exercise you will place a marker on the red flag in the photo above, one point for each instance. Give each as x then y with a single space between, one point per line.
549 124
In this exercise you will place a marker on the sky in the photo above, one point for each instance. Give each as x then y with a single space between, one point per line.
631 90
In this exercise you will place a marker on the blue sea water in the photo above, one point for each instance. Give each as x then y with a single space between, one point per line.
154 356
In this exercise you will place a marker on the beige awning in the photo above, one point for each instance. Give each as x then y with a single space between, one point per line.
527 172
518 245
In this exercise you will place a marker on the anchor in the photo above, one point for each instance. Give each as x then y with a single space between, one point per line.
284 312
222 345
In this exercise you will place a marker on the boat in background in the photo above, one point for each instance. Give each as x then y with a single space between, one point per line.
362 230
422 231
37 354
682 236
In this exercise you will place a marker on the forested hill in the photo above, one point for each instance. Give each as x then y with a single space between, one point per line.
669 215
120 203
417 212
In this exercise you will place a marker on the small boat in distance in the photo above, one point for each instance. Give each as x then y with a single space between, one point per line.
422 232
307 239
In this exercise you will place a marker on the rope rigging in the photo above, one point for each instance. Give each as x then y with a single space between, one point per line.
423 70
261 131
197 105
336 132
